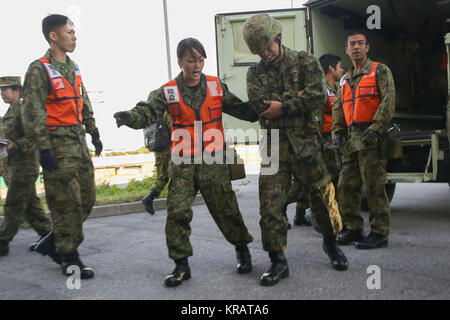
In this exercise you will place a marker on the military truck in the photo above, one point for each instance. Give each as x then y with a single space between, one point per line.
414 43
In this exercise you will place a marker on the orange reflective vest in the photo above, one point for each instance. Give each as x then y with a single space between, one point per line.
203 126
64 102
327 114
361 103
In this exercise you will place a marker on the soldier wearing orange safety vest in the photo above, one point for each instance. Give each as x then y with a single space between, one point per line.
362 112
57 114
196 103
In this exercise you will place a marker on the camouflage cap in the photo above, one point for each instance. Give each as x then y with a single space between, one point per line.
10 81
260 31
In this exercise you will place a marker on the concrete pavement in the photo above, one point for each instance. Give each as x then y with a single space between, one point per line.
129 255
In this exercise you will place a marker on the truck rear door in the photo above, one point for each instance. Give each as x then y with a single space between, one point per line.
234 58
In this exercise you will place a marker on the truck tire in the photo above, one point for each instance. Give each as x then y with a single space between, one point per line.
390 190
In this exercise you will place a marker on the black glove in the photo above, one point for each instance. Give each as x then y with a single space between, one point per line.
97 142
370 137
48 160
337 143
122 118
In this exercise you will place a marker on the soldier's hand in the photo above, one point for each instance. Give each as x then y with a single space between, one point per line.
274 110
10 144
47 160
122 118
337 143
95 135
370 137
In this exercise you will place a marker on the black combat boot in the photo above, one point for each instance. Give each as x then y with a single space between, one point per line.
309 217
46 247
278 270
284 211
4 248
373 240
148 201
350 236
244 260
179 274
73 259
299 218
337 257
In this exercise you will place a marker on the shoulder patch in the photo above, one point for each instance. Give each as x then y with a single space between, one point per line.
52 73
171 94
215 89
343 81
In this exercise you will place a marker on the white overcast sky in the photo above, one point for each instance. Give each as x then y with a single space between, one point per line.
121 47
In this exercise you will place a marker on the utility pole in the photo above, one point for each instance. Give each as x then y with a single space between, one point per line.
166 21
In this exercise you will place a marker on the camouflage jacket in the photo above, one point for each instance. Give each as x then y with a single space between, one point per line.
23 157
352 138
298 72
65 141
147 112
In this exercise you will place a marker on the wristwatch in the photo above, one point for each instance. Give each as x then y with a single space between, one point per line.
284 108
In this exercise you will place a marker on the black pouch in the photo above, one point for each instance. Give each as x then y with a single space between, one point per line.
391 143
237 168
155 138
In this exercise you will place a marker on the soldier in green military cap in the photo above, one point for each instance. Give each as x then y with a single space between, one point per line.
287 90
22 170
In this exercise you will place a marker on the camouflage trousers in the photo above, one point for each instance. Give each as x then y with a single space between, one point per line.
70 193
309 170
213 181
23 204
162 166
366 168
297 193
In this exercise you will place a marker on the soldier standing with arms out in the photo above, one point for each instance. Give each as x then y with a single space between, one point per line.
55 114
287 89
362 112
162 159
190 99
22 170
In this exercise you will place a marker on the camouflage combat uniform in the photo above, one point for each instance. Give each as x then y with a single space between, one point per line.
185 180
333 162
300 143
362 165
22 169
70 189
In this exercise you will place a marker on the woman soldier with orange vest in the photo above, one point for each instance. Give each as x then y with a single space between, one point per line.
195 103
362 112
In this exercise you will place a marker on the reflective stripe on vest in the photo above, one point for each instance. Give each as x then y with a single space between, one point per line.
328 111
64 102
361 103
185 118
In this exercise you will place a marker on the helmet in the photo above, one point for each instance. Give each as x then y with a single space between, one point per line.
260 31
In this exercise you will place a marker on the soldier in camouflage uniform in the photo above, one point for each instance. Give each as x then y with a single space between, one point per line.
332 65
287 90
362 112
186 179
54 83
162 159
2 161
22 169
